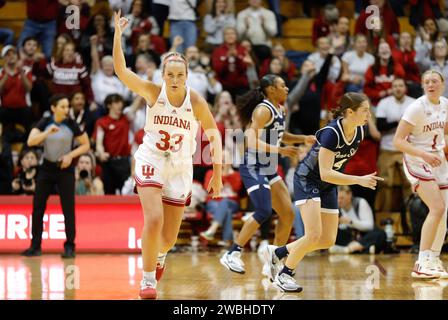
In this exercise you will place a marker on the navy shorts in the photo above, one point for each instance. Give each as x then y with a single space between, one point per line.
305 189
254 178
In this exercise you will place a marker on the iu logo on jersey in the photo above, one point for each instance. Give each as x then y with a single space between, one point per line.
147 171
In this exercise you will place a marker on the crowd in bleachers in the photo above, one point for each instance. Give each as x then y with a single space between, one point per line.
238 48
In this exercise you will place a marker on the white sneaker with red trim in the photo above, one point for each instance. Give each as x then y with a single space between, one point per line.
425 270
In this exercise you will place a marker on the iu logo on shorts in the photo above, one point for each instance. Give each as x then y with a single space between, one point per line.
147 171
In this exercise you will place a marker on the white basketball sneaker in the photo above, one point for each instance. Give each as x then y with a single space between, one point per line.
233 262
287 283
438 265
148 289
425 270
272 261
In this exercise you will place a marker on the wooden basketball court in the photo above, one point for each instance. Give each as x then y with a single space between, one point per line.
199 275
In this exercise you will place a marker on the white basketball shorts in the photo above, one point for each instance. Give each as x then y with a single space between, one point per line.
416 170
172 174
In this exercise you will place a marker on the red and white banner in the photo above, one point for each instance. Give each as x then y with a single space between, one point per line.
103 224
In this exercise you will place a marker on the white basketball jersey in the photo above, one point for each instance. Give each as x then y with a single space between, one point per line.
429 123
169 129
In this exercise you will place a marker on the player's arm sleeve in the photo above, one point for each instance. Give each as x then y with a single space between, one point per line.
328 138
413 114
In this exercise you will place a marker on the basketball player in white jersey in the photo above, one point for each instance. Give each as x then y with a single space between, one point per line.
163 162
421 137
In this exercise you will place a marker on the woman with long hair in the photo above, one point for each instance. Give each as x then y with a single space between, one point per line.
379 76
315 188
263 118
421 137
163 162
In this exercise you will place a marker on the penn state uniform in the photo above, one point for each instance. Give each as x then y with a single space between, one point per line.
428 134
258 169
307 181
164 159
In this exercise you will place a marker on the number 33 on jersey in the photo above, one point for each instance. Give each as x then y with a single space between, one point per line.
171 130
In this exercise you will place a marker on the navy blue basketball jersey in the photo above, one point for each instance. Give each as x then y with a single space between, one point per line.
274 129
272 134
332 138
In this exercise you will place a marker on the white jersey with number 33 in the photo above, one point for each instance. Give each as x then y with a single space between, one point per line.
171 130
429 121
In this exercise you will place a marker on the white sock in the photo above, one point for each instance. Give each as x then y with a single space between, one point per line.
434 255
424 255
161 259
150 277
264 242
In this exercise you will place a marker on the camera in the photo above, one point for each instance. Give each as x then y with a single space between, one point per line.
388 225
27 182
84 174
388 228
27 176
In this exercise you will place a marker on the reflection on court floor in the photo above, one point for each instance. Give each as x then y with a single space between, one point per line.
199 275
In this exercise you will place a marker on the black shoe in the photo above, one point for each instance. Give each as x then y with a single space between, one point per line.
69 252
32 252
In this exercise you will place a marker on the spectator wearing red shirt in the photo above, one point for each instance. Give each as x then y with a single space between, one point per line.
69 75
321 25
228 61
379 76
405 56
15 85
112 144
288 68
141 23
41 22
378 34
387 16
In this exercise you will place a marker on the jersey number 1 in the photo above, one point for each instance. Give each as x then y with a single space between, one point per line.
164 143
434 142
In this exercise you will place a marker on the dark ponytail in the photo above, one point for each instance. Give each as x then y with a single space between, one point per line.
246 103
350 100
